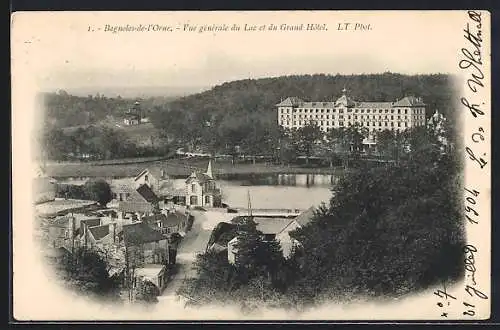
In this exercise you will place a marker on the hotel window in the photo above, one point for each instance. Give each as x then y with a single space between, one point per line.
379 124
399 110
362 110
367 110
341 123
392 117
341 110
399 124
406 111
386 110
327 117
380 111
404 124
392 124
392 110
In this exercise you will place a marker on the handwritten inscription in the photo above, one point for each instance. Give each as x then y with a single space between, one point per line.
471 287
472 60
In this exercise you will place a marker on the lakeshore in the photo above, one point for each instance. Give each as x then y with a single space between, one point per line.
177 168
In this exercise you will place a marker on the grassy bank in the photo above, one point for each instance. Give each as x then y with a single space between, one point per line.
176 168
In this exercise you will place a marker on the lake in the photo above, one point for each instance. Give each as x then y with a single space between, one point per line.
273 191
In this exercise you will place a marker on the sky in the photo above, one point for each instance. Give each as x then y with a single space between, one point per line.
61 54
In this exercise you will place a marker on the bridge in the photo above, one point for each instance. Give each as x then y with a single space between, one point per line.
275 213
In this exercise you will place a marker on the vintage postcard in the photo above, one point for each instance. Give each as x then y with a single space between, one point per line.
272 165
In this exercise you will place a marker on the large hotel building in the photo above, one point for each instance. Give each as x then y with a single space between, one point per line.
375 116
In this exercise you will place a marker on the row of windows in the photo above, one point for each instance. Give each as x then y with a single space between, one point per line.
341 123
362 117
373 129
419 111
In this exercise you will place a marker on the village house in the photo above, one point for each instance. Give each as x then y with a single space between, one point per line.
145 247
134 203
274 228
202 190
133 116
169 222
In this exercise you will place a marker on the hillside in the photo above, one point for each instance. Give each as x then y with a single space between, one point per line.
239 98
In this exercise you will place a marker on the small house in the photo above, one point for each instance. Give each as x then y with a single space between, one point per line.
169 223
144 243
153 273
202 190
131 119
135 202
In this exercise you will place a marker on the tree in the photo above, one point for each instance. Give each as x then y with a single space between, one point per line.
393 226
385 141
147 291
86 271
306 138
99 191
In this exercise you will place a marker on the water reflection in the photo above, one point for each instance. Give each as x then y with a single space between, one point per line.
283 179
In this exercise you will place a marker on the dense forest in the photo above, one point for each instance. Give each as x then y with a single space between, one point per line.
388 231
237 117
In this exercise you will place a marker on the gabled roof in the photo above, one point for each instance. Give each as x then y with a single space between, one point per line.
409 101
171 219
200 177
290 102
154 171
61 222
139 233
147 193
99 232
91 222
305 217
135 206
271 225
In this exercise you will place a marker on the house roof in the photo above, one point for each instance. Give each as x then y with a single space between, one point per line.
60 222
200 177
99 232
91 222
374 104
317 105
139 233
154 171
218 247
149 271
135 206
171 219
305 217
290 102
271 225
409 101
147 193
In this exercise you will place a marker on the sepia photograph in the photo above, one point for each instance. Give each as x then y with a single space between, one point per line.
275 165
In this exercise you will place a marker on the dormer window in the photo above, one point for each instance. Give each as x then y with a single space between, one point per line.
146 178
